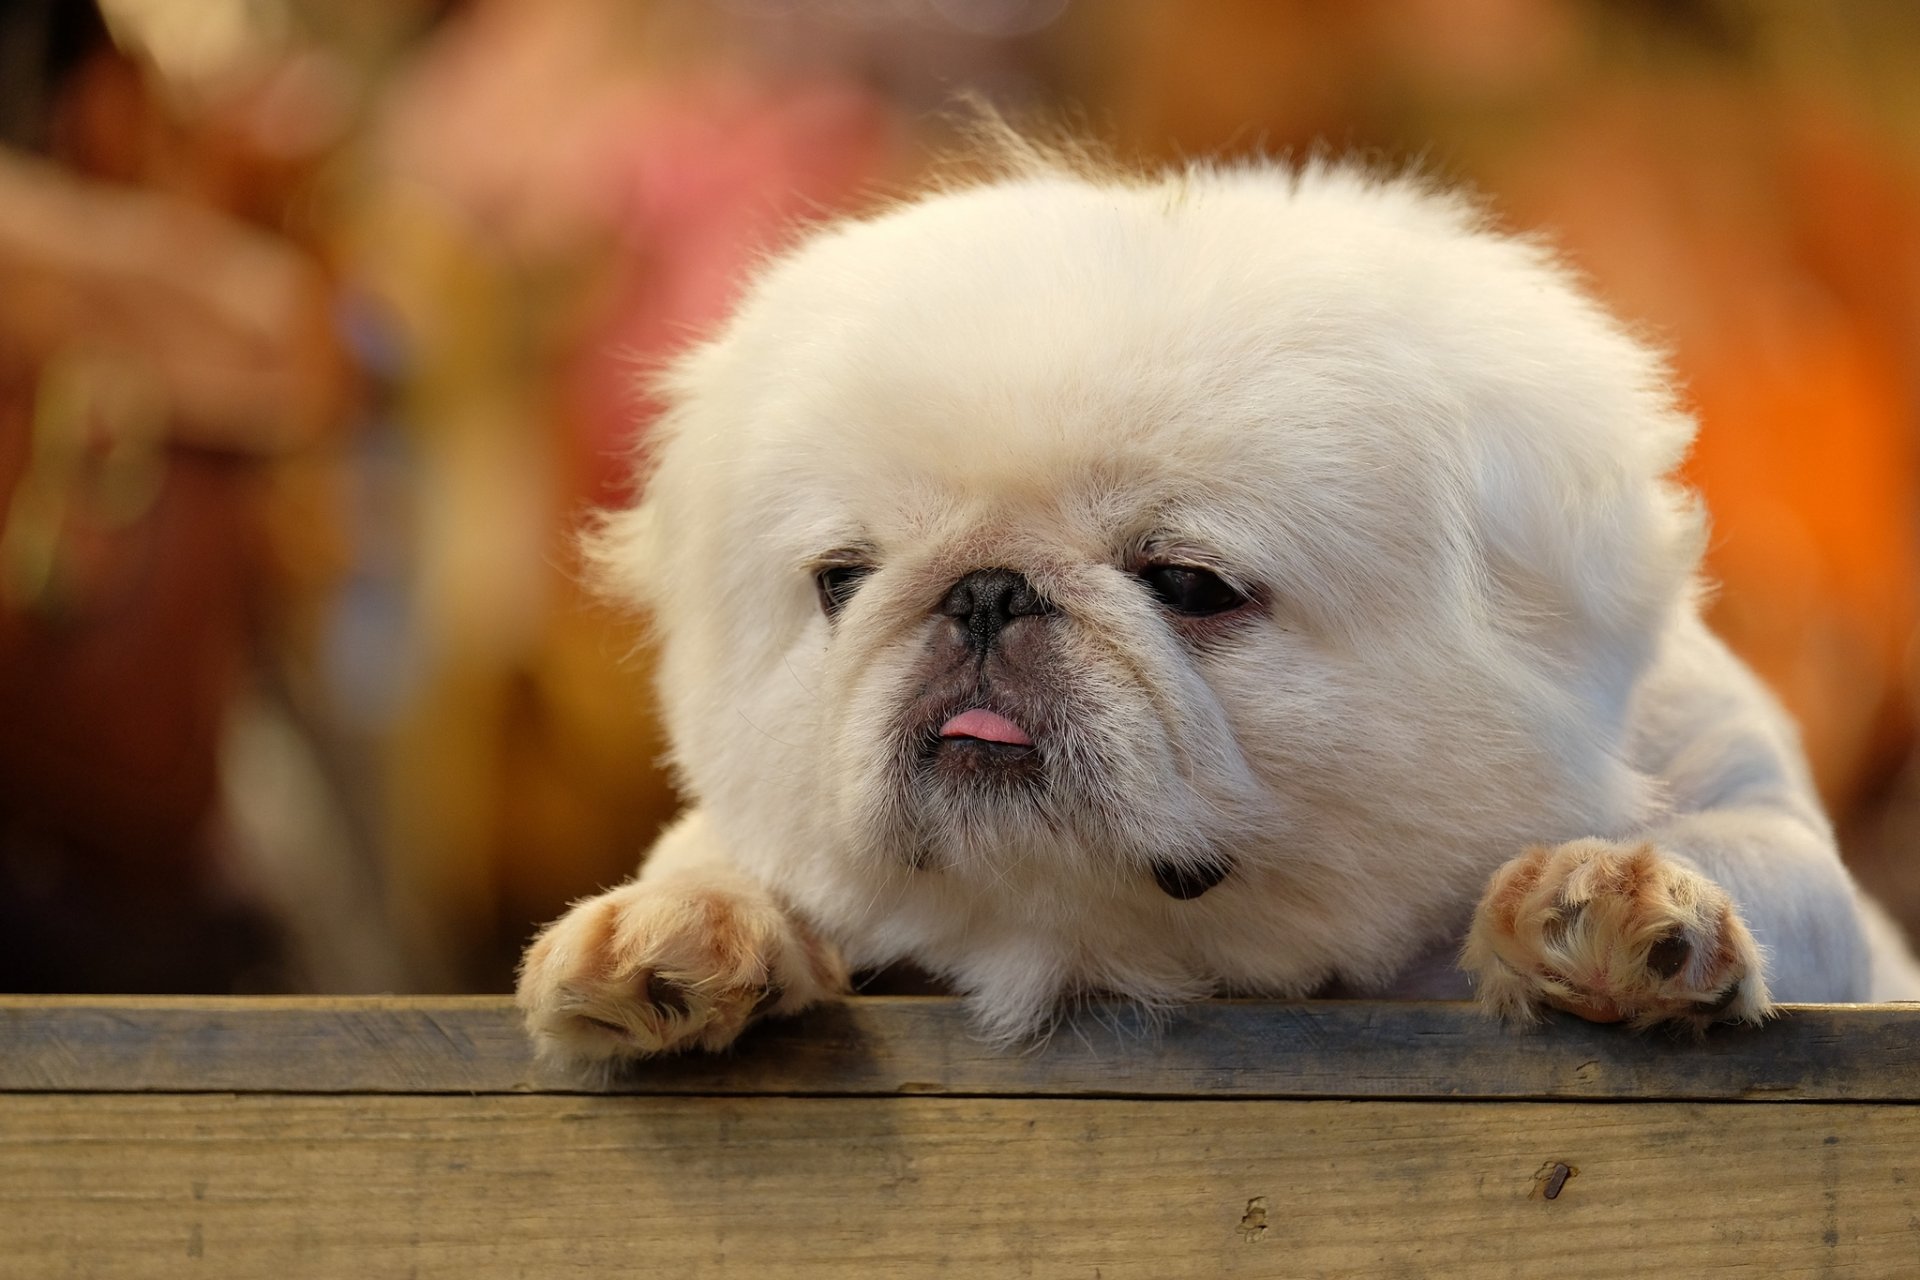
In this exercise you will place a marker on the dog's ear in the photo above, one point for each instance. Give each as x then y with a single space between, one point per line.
623 555
1589 542
626 552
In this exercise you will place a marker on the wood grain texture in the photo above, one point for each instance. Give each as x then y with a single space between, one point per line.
891 1046
156 1186
160 1138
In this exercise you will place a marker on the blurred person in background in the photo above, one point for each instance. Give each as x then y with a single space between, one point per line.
161 346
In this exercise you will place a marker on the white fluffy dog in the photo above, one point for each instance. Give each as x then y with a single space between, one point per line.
1241 580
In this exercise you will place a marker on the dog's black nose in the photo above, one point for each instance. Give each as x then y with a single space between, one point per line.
988 599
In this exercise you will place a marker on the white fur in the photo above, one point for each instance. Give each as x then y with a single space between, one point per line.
1442 469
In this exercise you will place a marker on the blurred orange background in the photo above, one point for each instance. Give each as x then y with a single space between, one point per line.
321 326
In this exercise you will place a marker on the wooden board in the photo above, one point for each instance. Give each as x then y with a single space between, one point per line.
150 1187
415 1138
918 1045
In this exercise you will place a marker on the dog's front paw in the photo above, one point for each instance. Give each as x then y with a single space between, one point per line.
658 967
1613 932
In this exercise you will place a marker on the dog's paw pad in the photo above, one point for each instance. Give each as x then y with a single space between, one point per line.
1613 933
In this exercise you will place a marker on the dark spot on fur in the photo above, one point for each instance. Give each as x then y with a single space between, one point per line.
666 995
1187 881
1669 956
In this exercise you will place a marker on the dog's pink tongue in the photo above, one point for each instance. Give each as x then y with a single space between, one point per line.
985 725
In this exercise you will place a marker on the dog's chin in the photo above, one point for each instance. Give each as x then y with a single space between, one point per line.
1027 814
963 797
968 768
930 798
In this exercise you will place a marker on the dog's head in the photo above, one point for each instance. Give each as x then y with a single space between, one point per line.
1061 530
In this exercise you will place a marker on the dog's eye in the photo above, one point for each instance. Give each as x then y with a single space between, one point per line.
1195 592
837 583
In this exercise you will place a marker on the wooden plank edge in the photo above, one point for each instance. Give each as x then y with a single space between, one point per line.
881 1046
150 1187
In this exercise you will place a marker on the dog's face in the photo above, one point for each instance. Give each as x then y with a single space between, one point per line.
1073 541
